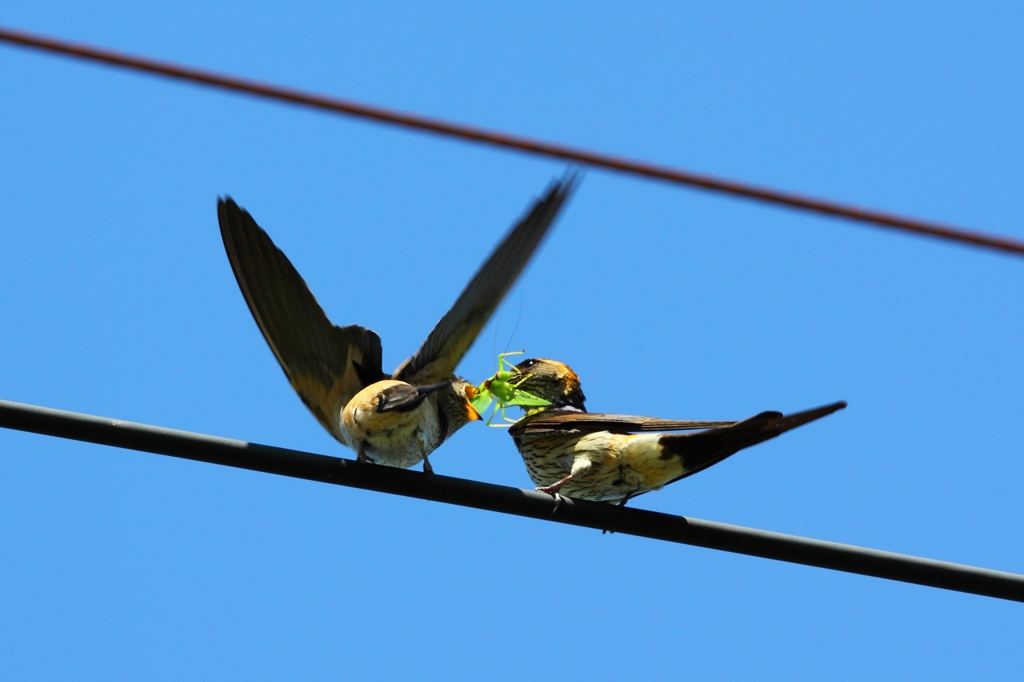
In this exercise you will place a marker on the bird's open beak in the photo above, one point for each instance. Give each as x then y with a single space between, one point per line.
471 412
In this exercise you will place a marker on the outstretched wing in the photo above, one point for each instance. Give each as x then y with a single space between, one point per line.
587 422
698 451
441 353
325 364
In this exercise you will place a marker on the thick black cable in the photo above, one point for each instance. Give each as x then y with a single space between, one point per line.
629 521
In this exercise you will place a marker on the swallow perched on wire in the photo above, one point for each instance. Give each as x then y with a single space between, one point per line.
613 457
397 420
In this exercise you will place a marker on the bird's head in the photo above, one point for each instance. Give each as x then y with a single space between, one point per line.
553 381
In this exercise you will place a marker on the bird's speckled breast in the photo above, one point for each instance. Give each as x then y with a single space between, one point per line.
619 464
548 458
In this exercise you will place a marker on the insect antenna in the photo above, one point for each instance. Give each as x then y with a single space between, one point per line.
494 338
514 329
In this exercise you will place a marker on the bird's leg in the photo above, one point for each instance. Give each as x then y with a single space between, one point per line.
427 468
361 455
553 489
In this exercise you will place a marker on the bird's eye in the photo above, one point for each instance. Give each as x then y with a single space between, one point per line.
526 364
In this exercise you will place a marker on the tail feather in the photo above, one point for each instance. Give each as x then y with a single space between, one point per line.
698 451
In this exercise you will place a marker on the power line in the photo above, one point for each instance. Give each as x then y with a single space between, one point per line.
626 520
517 142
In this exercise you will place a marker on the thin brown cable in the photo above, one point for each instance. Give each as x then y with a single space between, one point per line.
509 141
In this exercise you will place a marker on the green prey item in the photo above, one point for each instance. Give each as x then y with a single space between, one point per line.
503 387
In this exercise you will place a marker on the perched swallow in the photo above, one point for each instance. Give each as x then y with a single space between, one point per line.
613 457
396 420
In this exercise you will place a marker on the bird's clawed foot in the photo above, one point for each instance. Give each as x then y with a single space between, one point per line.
427 468
558 501
553 489
362 458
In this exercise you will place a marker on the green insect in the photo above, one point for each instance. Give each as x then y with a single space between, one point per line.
503 387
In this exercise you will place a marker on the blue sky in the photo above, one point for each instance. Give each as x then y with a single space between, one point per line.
117 300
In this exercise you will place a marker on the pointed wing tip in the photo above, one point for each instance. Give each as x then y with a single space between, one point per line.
228 213
225 203
562 188
572 176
